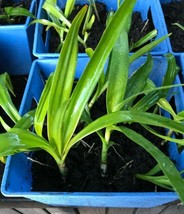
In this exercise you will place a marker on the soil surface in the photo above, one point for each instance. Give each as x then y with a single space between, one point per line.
125 159
9 3
139 28
95 32
174 13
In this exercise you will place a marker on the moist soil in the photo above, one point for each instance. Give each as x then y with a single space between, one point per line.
9 3
174 13
139 28
125 159
18 83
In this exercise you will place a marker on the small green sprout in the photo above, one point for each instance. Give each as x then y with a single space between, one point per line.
179 25
10 13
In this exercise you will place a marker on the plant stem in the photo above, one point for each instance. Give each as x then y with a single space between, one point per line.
105 147
104 159
63 170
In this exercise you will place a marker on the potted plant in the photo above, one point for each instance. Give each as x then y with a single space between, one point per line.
173 13
75 105
16 39
41 45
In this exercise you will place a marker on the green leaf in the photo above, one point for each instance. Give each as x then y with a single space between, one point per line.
26 121
18 11
91 75
19 140
118 72
166 138
146 49
4 124
138 80
5 98
69 7
179 25
144 39
164 162
101 83
125 117
172 70
42 107
148 100
56 12
64 75
50 24
161 181
152 98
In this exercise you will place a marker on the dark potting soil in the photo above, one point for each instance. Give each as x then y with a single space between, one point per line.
174 13
96 30
125 159
9 3
139 28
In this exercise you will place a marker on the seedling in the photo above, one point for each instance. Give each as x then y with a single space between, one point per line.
10 13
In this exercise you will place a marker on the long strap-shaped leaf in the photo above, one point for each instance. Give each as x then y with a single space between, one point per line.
5 99
63 81
164 162
152 98
54 10
19 140
18 11
172 70
69 7
92 73
42 107
125 117
146 48
138 79
118 72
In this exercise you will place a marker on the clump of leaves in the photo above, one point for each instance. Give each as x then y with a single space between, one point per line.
9 14
59 20
63 108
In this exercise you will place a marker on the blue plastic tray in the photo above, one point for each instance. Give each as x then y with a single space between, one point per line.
41 46
182 67
16 43
177 54
17 179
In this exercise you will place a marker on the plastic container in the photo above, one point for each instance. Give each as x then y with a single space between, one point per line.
17 179
182 67
177 54
16 43
41 45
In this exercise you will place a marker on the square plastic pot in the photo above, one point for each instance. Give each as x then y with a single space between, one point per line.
17 179
177 54
16 44
41 45
182 67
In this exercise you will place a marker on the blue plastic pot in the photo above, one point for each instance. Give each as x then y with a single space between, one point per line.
41 45
177 54
17 179
182 67
16 43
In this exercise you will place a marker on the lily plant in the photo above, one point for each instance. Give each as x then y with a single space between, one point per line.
10 13
62 107
59 20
